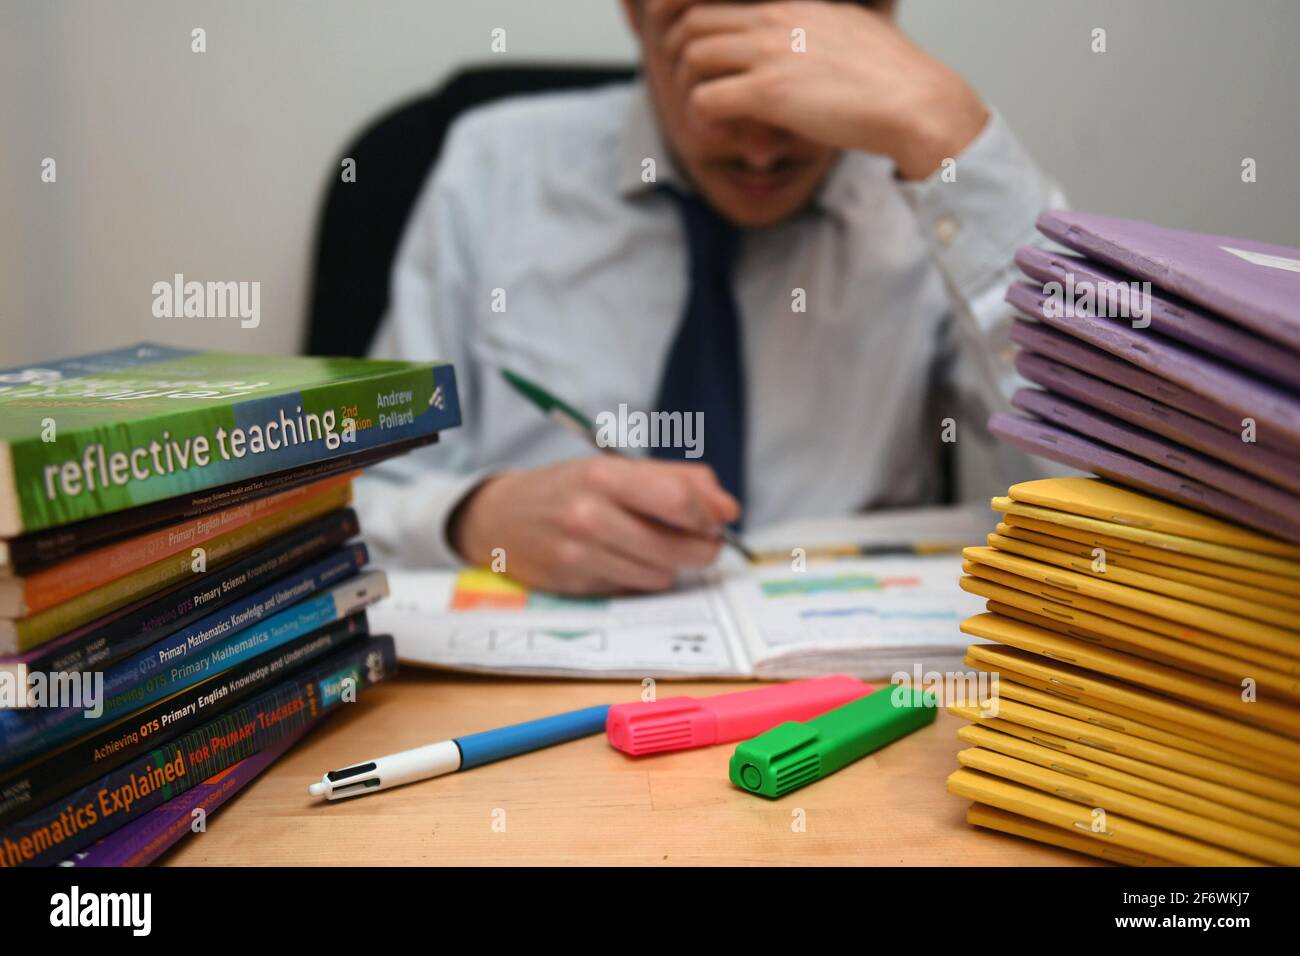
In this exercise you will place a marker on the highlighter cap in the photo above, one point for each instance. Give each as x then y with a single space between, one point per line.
783 759
796 754
674 723
680 723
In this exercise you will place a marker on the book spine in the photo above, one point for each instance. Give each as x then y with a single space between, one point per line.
165 455
39 783
66 580
151 676
145 839
116 799
107 640
39 628
31 552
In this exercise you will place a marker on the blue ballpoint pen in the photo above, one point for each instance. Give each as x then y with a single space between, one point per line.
459 753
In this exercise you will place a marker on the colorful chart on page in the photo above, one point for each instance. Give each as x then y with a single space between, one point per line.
811 584
481 589
897 601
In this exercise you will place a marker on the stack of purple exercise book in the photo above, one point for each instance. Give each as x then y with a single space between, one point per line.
1167 361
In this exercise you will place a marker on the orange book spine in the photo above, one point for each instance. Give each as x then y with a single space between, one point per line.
67 579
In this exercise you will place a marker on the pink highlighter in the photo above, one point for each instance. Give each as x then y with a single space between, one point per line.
680 723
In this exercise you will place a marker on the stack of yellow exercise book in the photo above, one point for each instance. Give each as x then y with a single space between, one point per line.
1146 707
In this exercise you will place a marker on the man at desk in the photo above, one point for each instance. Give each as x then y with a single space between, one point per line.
796 224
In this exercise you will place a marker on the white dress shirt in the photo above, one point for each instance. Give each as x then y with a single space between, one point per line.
536 246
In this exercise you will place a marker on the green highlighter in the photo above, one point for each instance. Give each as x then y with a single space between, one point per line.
794 754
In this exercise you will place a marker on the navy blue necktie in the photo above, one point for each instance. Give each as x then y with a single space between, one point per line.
705 368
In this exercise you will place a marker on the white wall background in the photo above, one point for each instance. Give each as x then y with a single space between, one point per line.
212 165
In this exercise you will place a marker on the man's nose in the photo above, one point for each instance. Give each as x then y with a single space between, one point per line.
761 146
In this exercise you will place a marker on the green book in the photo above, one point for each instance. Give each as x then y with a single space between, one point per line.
97 434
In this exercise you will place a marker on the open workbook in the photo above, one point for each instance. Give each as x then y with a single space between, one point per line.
870 617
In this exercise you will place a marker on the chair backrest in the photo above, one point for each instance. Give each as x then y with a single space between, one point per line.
361 222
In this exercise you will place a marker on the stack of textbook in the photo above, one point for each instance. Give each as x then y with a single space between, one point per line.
1141 701
181 598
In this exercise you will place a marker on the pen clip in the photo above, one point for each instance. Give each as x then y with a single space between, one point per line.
334 776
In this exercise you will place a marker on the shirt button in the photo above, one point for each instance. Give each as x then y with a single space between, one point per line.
945 230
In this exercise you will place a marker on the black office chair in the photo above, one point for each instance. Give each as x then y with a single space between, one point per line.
361 223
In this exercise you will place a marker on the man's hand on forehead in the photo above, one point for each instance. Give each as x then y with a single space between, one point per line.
835 73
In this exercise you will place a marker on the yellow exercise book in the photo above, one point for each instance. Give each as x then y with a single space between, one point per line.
1269 752
1116 570
1272 714
1154 760
1091 726
1230 751
1226 670
1260 588
1094 498
1280 639
991 818
1175 545
1172 653
1111 829
1184 791
1269 683
1117 619
1222 660
1095 796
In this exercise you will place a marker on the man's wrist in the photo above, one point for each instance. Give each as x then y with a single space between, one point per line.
942 130
463 524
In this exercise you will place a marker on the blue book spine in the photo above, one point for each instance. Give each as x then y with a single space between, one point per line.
41 783
115 799
98 646
205 648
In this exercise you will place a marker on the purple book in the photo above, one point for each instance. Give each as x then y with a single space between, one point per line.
1036 337
1048 441
146 838
1161 419
1273 409
1172 317
1253 284
1143 445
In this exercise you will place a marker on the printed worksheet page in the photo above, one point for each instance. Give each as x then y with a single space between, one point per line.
867 616
480 621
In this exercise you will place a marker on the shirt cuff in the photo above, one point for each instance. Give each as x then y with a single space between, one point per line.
406 521
974 222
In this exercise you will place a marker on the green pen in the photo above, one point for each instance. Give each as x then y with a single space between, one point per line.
794 754
578 423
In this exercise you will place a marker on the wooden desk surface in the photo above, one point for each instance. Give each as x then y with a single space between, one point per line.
586 803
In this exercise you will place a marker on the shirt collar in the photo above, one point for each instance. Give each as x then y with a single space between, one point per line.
641 140
840 189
